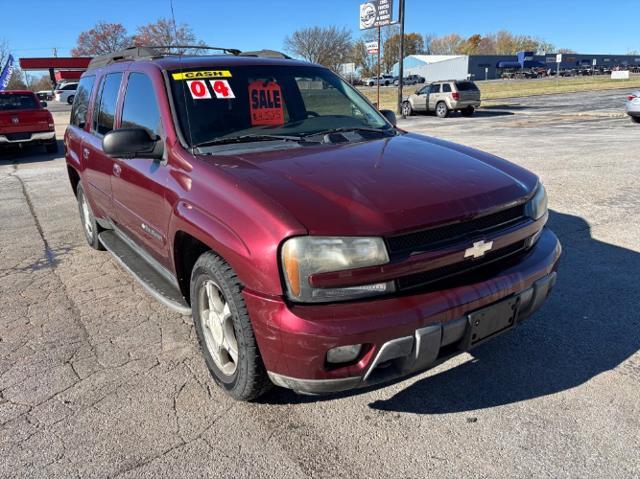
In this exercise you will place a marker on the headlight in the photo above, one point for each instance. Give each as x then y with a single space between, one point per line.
306 255
537 206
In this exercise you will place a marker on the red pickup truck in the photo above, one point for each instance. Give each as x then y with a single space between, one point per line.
317 246
25 120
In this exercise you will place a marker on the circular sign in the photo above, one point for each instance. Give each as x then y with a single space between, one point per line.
368 14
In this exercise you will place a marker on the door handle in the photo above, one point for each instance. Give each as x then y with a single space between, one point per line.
85 153
117 169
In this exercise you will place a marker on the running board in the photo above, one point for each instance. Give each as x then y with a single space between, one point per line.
149 277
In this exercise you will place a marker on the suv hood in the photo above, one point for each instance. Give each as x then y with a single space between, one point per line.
383 186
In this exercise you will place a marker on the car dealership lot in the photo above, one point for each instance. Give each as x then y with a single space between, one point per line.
97 379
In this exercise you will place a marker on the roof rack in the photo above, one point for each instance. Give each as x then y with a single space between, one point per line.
266 54
156 51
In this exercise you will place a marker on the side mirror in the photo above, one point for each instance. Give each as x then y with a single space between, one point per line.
132 143
390 116
43 104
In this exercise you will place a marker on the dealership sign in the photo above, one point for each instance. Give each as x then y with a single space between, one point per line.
376 13
372 47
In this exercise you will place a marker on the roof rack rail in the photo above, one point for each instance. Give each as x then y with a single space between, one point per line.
156 51
266 54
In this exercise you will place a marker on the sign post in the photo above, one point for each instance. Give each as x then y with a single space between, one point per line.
378 80
558 61
401 64
376 14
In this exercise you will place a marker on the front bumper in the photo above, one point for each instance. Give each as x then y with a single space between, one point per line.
41 136
403 335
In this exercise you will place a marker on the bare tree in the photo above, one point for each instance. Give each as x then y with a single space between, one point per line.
4 52
166 33
101 39
446 45
330 46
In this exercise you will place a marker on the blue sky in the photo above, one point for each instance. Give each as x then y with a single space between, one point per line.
33 27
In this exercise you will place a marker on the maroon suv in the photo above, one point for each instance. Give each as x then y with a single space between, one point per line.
317 246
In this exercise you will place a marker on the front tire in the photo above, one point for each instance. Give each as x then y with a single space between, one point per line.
442 111
635 119
89 225
70 99
224 329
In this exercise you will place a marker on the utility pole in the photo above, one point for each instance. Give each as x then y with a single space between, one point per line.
401 72
378 79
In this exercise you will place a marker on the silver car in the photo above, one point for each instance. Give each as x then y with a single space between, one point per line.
443 97
633 106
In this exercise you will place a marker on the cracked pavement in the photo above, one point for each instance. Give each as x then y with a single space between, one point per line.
99 380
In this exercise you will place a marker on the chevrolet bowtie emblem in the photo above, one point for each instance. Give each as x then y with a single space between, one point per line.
15 120
478 249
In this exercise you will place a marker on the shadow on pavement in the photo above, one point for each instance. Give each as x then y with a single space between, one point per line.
29 154
588 325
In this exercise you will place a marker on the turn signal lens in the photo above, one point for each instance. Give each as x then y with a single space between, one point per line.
291 268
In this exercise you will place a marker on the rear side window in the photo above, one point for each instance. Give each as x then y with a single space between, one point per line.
81 101
435 88
104 114
446 88
466 86
18 101
140 108
71 86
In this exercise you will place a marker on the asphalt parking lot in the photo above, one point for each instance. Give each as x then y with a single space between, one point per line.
97 379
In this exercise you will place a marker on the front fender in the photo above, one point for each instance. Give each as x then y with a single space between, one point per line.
255 266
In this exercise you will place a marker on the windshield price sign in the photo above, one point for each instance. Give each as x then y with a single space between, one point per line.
266 103
376 13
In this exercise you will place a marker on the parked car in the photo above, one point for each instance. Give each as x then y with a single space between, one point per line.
24 120
409 80
45 95
633 106
316 246
443 97
66 93
383 80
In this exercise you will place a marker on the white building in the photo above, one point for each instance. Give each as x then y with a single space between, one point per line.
435 67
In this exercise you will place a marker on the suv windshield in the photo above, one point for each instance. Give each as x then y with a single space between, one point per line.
267 100
17 101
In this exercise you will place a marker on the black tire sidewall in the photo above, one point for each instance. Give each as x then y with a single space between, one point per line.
249 380
70 99
200 275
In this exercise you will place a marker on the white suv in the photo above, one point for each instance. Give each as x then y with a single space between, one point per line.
66 93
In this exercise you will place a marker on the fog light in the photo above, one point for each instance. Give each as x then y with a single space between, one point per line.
343 354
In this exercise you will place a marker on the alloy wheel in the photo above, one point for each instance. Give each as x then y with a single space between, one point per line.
217 322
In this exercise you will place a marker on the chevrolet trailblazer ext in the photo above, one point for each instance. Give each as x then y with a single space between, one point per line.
317 246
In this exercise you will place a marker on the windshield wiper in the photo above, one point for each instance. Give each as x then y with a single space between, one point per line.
248 139
351 128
